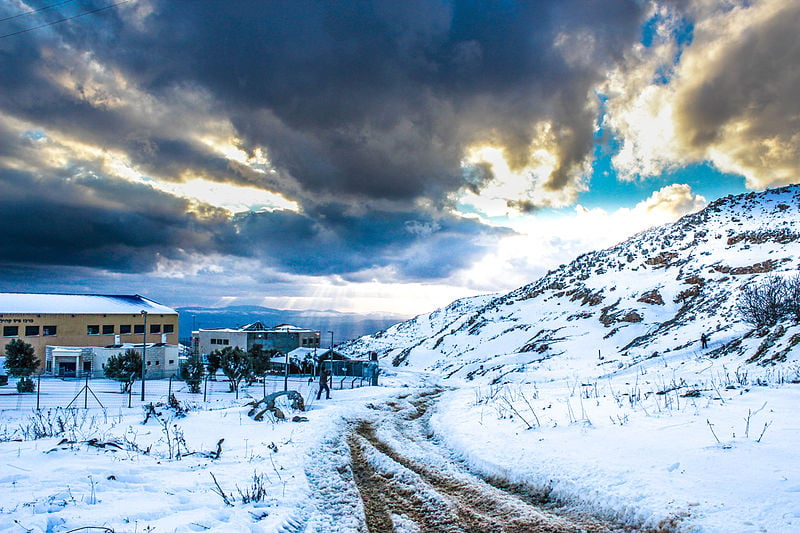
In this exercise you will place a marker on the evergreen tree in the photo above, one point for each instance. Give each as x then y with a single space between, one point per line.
192 373
125 368
259 360
235 364
21 362
214 364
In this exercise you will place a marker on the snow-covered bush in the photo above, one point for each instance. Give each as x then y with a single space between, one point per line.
125 368
21 362
192 372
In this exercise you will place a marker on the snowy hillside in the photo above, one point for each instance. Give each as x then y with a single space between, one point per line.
650 296
590 386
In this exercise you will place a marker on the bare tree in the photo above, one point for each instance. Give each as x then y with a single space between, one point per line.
767 303
793 296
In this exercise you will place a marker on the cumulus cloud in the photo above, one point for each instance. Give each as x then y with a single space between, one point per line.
727 97
673 201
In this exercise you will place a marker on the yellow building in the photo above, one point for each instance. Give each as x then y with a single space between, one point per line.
44 320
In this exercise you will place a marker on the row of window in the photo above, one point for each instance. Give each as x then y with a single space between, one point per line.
30 331
220 341
124 329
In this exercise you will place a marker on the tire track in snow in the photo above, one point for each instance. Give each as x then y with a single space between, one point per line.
408 483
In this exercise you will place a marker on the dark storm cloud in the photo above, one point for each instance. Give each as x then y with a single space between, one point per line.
364 108
124 227
380 99
333 242
129 227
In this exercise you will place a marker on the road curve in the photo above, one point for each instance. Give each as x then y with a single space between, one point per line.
408 482
386 472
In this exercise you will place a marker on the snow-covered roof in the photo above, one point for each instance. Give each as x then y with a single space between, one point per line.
290 328
258 327
20 302
255 326
299 353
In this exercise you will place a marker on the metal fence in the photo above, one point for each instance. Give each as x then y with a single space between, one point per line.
93 392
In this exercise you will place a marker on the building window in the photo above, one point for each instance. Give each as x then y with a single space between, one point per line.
93 329
138 329
108 329
172 361
157 363
10 331
49 331
169 328
155 328
148 363
125 329
31 331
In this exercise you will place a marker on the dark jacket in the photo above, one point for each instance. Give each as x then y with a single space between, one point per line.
324 375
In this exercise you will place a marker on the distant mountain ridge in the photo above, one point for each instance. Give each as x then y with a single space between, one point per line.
649 296
344 325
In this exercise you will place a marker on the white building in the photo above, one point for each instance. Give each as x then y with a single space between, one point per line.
162 360
284 338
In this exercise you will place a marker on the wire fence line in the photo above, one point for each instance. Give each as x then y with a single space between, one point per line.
88 392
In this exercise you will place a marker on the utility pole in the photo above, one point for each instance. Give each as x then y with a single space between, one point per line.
286 363
330 357
144 348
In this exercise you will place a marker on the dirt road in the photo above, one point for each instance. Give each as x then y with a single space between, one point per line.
386 472
408 482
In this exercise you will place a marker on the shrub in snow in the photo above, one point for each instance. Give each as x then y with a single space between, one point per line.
259 361
192 372
125 368
21 362
768 303
235 364
214 364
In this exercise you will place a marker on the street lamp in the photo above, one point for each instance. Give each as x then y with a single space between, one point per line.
330 355
195 347
286 363
144 348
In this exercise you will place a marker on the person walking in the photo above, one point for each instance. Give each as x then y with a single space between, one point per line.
703 341
324 375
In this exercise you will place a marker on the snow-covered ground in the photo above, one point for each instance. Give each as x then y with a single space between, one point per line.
607 445
158 476
712 455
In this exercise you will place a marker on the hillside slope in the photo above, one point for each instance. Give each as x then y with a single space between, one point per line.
650 296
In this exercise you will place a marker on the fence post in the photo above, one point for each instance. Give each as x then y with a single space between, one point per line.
205 388
170 389
264 381
86 393
38 389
